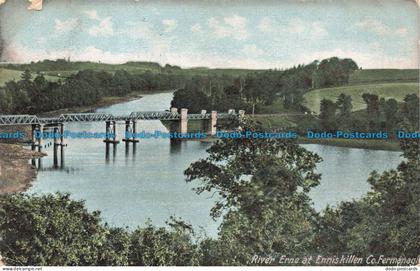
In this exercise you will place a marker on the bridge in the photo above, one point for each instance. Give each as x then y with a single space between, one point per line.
99 117
179 123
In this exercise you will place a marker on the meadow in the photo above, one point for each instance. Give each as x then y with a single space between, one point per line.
387 90
9 75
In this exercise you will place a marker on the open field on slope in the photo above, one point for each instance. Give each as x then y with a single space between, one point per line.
362 77
388 90
8 75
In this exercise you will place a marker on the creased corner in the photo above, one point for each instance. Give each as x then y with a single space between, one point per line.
35 4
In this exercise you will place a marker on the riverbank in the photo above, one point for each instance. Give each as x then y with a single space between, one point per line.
16 174
105 102
370 144
383 145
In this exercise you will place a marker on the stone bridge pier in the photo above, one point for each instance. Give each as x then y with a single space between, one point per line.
208 126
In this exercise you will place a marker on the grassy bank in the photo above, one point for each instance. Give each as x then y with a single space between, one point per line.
7 75
388 90
371 76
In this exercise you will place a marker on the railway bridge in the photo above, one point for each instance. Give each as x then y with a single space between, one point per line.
178 119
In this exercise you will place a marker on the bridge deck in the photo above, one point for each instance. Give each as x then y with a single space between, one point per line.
96 117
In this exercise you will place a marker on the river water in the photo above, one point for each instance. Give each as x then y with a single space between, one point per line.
130 189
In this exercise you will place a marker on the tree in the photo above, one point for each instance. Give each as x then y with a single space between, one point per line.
5 101
385 220
251 91
372 103
391 113
335 71
344 104
262 187
411 109
327 115
55 230
193 100
151 246
120 83
26 76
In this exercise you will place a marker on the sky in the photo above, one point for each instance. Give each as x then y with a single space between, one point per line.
217 34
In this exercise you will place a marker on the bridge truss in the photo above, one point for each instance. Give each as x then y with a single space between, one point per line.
100 117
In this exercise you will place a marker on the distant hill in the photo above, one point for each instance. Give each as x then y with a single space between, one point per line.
64 68
387 90
369 76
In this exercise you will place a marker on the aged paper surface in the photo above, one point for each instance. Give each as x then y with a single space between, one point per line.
35 4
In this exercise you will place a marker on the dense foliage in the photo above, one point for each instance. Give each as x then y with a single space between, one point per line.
211 91
262 187
87 87
385 221
54 230
380 115
264 87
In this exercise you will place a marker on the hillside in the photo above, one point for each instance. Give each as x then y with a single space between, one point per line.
362 77
387 90
8 75
64 68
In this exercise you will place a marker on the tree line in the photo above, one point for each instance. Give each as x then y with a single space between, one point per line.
87 87
263 198
211 91
262 88
380 114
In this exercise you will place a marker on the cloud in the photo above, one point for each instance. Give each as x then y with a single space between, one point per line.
401 31
318 30
66 26
92 14
232 26
149 39
379 28
295 26
196 28
104 26
251 50
170 25
265 25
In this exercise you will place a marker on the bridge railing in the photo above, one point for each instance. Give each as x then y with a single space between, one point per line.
94 117
18 119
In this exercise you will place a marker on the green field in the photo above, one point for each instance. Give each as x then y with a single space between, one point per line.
363 77
9 75
388 90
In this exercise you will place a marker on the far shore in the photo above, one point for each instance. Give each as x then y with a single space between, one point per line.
105 102
16 174
379 145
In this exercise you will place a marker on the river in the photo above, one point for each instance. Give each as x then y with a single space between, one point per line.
131 189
